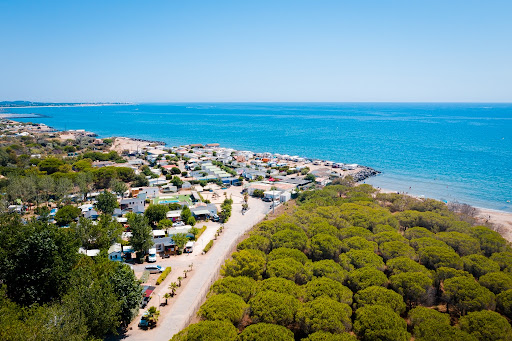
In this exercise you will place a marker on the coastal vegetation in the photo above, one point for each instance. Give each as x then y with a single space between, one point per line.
351 263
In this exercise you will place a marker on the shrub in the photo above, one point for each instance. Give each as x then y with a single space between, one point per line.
163 275
208 246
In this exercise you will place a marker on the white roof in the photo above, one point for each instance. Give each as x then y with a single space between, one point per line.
158 233
173 214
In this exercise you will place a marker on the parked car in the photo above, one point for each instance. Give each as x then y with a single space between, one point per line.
144 320
215 217
189 247
178 223
154 269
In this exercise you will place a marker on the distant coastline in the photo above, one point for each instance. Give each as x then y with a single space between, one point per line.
28 104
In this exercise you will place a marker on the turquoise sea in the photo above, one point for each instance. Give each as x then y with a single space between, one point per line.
450 151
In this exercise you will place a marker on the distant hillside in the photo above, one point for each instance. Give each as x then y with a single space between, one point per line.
13 104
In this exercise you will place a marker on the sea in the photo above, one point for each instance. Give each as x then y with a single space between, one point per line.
448 151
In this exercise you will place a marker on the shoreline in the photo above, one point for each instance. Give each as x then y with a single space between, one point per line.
65 105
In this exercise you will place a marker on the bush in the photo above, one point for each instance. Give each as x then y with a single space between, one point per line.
208 246
163 275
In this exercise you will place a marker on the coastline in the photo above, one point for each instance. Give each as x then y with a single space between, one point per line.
502 220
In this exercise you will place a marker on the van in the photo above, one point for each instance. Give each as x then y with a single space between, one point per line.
189 247
154 269
152 255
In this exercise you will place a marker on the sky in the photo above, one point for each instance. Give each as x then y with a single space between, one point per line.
256 51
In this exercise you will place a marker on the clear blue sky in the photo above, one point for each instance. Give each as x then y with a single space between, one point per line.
179 51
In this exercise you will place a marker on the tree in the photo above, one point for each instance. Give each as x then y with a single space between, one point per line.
272 307
175 170
176 181
154 213
250 263
288 268
280 285
50 165
355 231
127 289
428 242
104 176
479 265
292 239
486 325
284 252
504 303
490 241
142 234
224 307
262 331
106 202
326 336
504 259
378 322
140 181
358 243
185 213
434 257
389 236
418 232
431 325
330 269
244 287
257 242
84 181
365 277
361 258
467 295
324 246
462 243
496 281
397 249
405 264
63 187
413 286
118 187
180 239
67 214
325 314
379 296
208 331
329 288
106 232
191 221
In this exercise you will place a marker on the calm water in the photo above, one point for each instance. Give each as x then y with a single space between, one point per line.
447 151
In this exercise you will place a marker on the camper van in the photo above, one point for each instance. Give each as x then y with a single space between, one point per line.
152 255
189 247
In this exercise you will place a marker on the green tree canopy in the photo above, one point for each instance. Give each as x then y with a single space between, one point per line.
328 268
434 257
326 336
423 242
67 215
373 323
467 295
142 234
479 265
284 252
288 268
358 243
376 295
405 264
418 232
257 242
490 241
389 236
207 331
244 287
462 243
324 286
397 249
412 286
486 325
363 278
272 307
292 239
496 281
325 314
355 231
361 258
106 202
504 259
504 303
431 325
324 246
250 263
281 285
226 307
265 331
155 212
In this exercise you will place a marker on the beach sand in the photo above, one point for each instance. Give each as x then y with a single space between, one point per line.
125 143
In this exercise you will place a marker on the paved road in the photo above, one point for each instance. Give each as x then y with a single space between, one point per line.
205 272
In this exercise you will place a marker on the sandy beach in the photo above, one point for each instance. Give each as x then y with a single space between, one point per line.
125 143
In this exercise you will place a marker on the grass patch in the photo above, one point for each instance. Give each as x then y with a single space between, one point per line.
145 276
163 275
201 231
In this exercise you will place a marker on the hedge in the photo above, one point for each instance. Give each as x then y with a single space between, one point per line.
208 246
163 275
